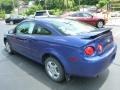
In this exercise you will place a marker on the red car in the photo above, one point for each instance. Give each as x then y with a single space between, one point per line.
87 18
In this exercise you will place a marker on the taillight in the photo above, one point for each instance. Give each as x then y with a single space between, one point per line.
89 50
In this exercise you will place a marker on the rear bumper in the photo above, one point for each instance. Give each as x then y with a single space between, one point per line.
91 67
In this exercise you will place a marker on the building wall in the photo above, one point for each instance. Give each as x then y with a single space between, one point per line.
115 5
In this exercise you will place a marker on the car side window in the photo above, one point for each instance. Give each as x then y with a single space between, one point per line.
87 15
77 15
81 15
41 30
25 28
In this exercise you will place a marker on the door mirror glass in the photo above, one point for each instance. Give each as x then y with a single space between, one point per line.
11 32
91 16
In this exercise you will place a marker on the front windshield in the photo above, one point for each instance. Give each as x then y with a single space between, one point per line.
70 27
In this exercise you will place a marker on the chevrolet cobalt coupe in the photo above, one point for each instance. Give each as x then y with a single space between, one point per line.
64 47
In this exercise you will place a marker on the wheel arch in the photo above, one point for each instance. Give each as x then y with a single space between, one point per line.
45 55
5 39
60 59
102 21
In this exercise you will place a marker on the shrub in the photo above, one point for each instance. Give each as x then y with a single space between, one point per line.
33 9
2 14
56 11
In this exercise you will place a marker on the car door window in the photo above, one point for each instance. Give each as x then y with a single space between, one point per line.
25 28
87 15
41 30
81 15
77 15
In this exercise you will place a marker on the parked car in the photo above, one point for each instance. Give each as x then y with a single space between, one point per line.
14 19
65 47
87 18
44 13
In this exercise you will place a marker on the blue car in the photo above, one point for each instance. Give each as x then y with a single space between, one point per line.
64 47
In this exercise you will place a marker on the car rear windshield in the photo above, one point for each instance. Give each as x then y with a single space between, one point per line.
40 13
70 27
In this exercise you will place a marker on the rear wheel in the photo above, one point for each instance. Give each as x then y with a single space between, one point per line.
54 69
11 22
100 24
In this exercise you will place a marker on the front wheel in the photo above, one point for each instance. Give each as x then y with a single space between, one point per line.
54 69
100 24
8 48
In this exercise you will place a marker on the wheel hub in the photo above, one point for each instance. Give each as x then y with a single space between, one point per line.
52 69
8 47
100 24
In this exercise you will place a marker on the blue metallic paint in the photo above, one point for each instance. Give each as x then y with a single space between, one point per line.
65 47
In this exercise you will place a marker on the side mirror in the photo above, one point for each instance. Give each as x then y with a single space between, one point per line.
91 16
11 32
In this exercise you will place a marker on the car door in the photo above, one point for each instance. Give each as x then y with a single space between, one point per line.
88 18
83 17
21 37
38 41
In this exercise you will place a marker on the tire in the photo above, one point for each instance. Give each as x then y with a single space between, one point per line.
8 48
54 69
6 22
100 24
12 22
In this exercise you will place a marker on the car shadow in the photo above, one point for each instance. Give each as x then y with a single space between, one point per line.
37 72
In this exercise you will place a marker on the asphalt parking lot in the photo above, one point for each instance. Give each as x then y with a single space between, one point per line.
20 73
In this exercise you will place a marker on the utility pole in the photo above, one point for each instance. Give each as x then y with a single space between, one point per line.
13 4
79 4
18 6
39 2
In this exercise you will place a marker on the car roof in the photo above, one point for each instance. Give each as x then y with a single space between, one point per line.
81 12
47 20
75 12
50 20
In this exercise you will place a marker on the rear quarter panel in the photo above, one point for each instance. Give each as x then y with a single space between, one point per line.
62 52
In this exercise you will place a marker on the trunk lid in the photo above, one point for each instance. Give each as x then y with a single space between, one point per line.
102 37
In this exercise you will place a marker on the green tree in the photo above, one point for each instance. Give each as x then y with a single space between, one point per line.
33 9
8 5
86 2
2 14
102 3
